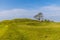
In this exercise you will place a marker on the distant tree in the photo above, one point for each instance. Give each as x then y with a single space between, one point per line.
39 16
47 20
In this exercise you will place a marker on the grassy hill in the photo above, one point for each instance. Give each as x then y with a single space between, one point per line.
28 29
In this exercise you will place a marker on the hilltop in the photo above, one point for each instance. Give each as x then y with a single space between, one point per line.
25 21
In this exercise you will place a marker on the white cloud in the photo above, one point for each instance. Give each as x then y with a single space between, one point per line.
50 12
16 13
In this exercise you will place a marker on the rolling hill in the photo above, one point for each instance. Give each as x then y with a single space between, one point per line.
29 29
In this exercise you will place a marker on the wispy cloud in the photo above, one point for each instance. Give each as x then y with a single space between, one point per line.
51 12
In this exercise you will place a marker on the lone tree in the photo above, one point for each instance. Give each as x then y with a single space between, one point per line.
39 16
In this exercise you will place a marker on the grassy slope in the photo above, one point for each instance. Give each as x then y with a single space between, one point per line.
27 29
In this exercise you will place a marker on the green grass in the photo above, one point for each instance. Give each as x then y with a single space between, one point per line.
28 29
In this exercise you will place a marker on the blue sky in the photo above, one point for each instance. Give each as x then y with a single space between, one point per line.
27 4
28 8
